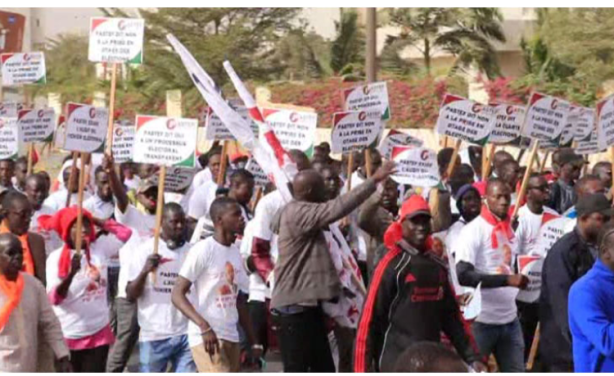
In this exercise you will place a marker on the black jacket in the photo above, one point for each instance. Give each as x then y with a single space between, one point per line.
410 299
568 260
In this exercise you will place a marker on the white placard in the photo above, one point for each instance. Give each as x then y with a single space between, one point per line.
59 136
416 166
550 231
531 266
465 119
569 130
86 128
545 118
370 97
474 307
260 177
605 121
215 128
165 141
9 138
116 40
123 142
590 145
354 130
294 129
23 68
10 109
585 123
508 122
36 125
178 179
396 138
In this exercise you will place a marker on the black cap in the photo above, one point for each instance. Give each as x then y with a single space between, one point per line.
567 155
595 203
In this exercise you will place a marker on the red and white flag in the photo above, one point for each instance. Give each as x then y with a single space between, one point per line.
273 159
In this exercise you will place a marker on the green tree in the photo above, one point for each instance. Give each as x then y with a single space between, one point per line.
69 72
348 46
303 55
245 36
466 33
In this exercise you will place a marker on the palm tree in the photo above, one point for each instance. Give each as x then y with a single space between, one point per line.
348 45
465 33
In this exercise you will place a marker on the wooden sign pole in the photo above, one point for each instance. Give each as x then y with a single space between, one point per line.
452 164
368 162
533 351
257 197
542 165
525 179
221 176
612 160
488 154
79 240
111 108
72 177
159 207
30 157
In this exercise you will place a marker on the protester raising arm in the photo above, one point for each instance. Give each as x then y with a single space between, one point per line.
134 289
117 187
75 265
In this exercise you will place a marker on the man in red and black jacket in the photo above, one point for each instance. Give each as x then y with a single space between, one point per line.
410 298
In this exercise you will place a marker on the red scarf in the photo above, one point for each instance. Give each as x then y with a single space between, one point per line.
13 291
500 226
28 260
61 222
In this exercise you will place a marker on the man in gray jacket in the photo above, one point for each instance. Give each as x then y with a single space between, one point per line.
304 274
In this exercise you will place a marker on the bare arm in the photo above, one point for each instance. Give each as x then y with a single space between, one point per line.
244 318
181 302
75 266
135 288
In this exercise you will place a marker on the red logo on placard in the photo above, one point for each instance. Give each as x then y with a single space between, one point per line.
362 116
119 132
366 90
294 117
424 155
121 25
171 124
93 113
510 110
41 113
26 57
554 104
477 108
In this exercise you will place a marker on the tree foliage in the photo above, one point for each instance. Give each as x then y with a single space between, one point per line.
466 33
348 46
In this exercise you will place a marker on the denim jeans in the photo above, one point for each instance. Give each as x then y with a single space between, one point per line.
155 356
504 341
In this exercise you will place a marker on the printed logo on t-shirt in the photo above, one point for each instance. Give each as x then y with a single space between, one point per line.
228 290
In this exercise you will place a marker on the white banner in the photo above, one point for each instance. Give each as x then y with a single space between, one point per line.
605 121
178 179
548 234
36 125
590 145
294 129
215 128
86 128
546 117
415 166
508 122
165 141
531 266
465 119
116 40
354 130
370 97
569 130
123 142
23 68
260 177
9 142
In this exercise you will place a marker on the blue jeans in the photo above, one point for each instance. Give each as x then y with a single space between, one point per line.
504 341
155 356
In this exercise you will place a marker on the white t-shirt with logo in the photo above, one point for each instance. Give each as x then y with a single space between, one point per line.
142 226
529 224
475 247
158 317
217 274
99 208
57 200
85 310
